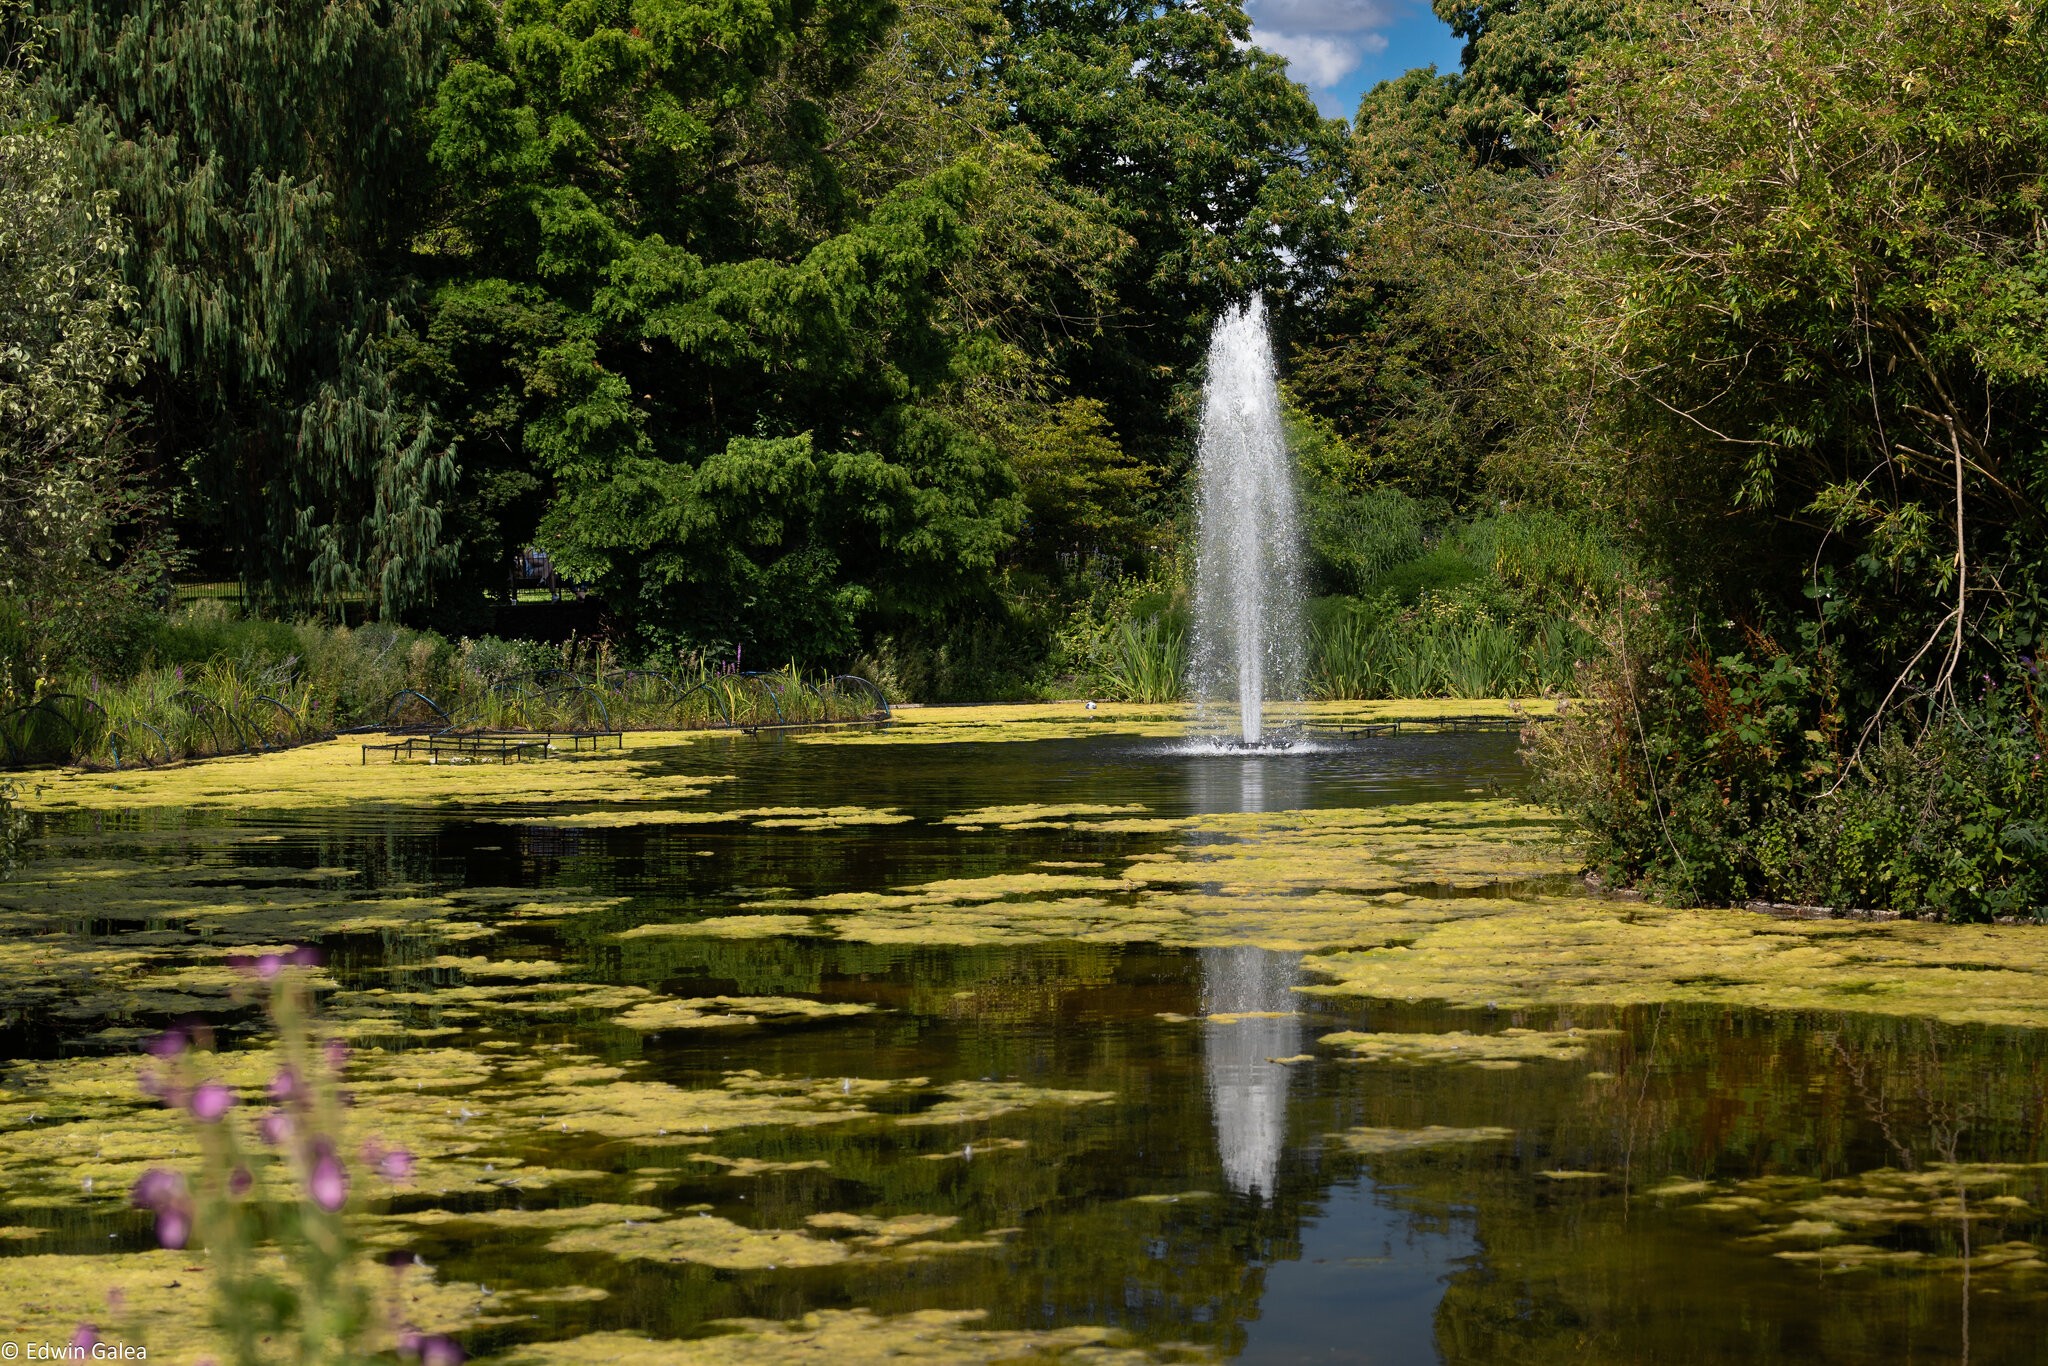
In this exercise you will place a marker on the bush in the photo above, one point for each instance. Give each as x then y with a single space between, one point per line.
1716 778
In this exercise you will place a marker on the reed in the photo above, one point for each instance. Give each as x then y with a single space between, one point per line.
1146 660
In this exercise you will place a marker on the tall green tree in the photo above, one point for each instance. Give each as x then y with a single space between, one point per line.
67 346
1813 286
1199 148
1808 286
680 265
1429 351
265 155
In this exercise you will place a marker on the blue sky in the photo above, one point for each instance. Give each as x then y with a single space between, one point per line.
1340 49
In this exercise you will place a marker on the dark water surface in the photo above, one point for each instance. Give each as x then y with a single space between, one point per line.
1264 1239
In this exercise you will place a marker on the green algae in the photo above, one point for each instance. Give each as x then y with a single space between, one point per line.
822 817
756 1166
332 774
1292 880
856 1337
566 1216
761 817
1982 1217
165 1305
1508 1048
760 926
975 1101
617 820
484 967
1379 1141
873 1231
706 1240
1036 816
920 725
1566 951
710 1012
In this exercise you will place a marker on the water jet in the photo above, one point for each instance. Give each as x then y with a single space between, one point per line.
1248 647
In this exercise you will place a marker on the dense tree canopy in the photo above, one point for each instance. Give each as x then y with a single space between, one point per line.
263 152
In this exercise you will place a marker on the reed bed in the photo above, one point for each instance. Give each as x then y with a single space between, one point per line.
387 679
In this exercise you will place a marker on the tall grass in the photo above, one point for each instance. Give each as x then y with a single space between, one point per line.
1146 660
1357 654
273 685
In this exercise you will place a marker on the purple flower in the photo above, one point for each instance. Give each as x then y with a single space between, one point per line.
210 1100
432 1349
239 1181
168 1044
173 1226
274 1128
85 1339
337 1054
328 1183
285 1085
268 966
303 957
396 1165
156 1188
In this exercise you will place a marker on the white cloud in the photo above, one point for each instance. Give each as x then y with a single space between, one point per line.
1319 59
1323 40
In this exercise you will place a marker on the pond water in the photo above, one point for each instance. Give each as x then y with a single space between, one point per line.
650 1098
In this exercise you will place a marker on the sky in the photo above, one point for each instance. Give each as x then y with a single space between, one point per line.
1340 49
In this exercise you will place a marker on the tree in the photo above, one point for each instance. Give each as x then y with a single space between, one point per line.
1430 350
1514 100
66 345
263 153
681 265
1810 268
1199 148
1417 353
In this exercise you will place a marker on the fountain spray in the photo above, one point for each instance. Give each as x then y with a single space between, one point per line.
1248 636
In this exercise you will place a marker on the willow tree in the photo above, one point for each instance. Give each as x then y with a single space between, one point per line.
263 154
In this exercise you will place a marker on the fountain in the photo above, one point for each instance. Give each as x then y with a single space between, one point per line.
1247 650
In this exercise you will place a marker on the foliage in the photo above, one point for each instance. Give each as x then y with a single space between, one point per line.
1445 645
13 829
70 590
220 686
725 356
1195 146
268 229
1147 660
1721 778
1415 354
1823 371
1812 370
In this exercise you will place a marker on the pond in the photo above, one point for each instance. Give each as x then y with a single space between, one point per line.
978 1041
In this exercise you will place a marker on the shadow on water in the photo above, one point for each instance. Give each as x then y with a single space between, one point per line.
1699 1184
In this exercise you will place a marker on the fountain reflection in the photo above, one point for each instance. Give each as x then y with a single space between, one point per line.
1248 997
1248 994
